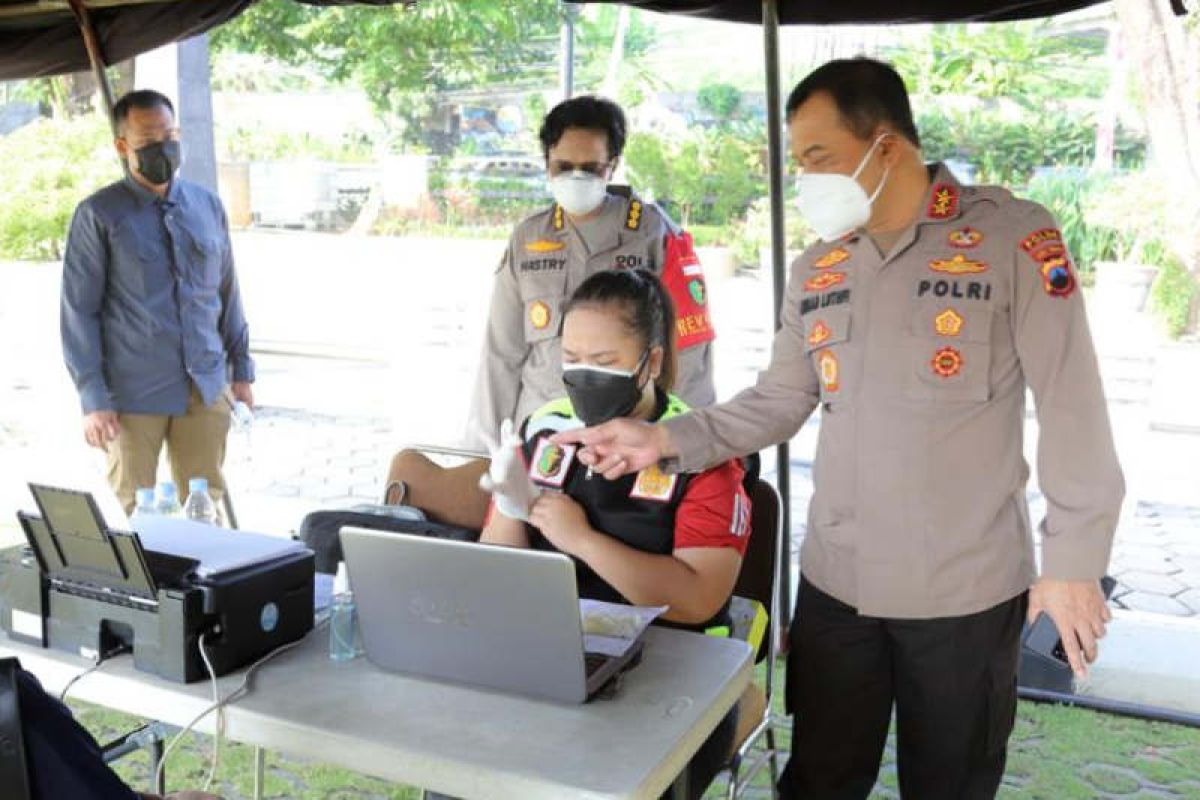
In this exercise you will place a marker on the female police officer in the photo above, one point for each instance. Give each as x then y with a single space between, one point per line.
649 538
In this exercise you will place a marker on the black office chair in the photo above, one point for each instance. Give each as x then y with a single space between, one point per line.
14 772
754 745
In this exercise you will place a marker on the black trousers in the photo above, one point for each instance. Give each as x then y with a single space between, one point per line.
952 682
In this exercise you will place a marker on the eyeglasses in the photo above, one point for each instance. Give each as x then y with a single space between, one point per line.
561 166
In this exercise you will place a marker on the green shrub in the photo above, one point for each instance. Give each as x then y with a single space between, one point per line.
1069 198
1171 296
706 177
711 235
254 144
49 166
753 232
1006 146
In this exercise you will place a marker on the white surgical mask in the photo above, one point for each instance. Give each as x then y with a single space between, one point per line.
835 205
579 192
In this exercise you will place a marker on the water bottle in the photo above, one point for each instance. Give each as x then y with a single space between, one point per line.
167 500
199 506
145 507
344 638
242 417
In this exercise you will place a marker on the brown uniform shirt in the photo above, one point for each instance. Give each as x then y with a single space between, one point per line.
546 260
920 360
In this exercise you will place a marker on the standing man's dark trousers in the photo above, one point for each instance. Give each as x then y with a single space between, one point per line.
952 680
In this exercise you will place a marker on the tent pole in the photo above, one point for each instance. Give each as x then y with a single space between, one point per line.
96 55
778 273
566 50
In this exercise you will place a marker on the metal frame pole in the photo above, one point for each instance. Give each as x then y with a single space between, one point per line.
95 51
566 50
779 276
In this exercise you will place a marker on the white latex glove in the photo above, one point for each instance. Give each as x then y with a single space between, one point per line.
506 478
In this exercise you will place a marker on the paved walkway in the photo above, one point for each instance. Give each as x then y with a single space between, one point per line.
370 344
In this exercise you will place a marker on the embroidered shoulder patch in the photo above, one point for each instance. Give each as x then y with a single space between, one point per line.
1058 279
1040 237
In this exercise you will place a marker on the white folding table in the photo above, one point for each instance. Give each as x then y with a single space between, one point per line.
461 741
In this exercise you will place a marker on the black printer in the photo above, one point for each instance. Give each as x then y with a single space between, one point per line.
92 591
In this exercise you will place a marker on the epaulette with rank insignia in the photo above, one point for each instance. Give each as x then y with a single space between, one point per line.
634 219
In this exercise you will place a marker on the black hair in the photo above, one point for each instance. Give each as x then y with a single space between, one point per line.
144 99
866 92
586 111
646 309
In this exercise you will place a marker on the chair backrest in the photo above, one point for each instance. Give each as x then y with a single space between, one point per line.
449 495
14 772
760 564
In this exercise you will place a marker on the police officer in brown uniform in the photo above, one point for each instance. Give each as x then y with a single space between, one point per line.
591 226
916 327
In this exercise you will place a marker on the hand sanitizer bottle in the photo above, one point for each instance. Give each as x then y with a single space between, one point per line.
344 643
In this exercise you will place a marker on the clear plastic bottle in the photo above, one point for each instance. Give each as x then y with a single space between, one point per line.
167 500
345 642
200 506
145 507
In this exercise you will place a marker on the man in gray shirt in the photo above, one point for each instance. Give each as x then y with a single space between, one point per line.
153 331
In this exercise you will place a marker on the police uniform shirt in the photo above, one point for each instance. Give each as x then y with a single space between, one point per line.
650 511
547 258
920 360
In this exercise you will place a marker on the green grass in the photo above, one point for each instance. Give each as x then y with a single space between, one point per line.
1055 753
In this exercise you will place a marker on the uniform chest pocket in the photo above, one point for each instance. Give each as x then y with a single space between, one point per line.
825 334
206 256
950 353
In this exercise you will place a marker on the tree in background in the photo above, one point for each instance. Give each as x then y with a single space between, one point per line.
721 100
403 56
1165 55
1024 61
706 177
612 42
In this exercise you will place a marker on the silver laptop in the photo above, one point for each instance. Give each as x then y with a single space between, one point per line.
498 617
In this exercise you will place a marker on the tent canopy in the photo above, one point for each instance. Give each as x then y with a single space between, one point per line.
41 37
828 12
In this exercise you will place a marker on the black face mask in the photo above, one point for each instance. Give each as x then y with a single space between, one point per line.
158 161
599 394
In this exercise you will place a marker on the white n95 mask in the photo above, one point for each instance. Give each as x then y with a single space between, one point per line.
834 204
579 192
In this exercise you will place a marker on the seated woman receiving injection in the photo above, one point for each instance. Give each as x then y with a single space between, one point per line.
650 538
